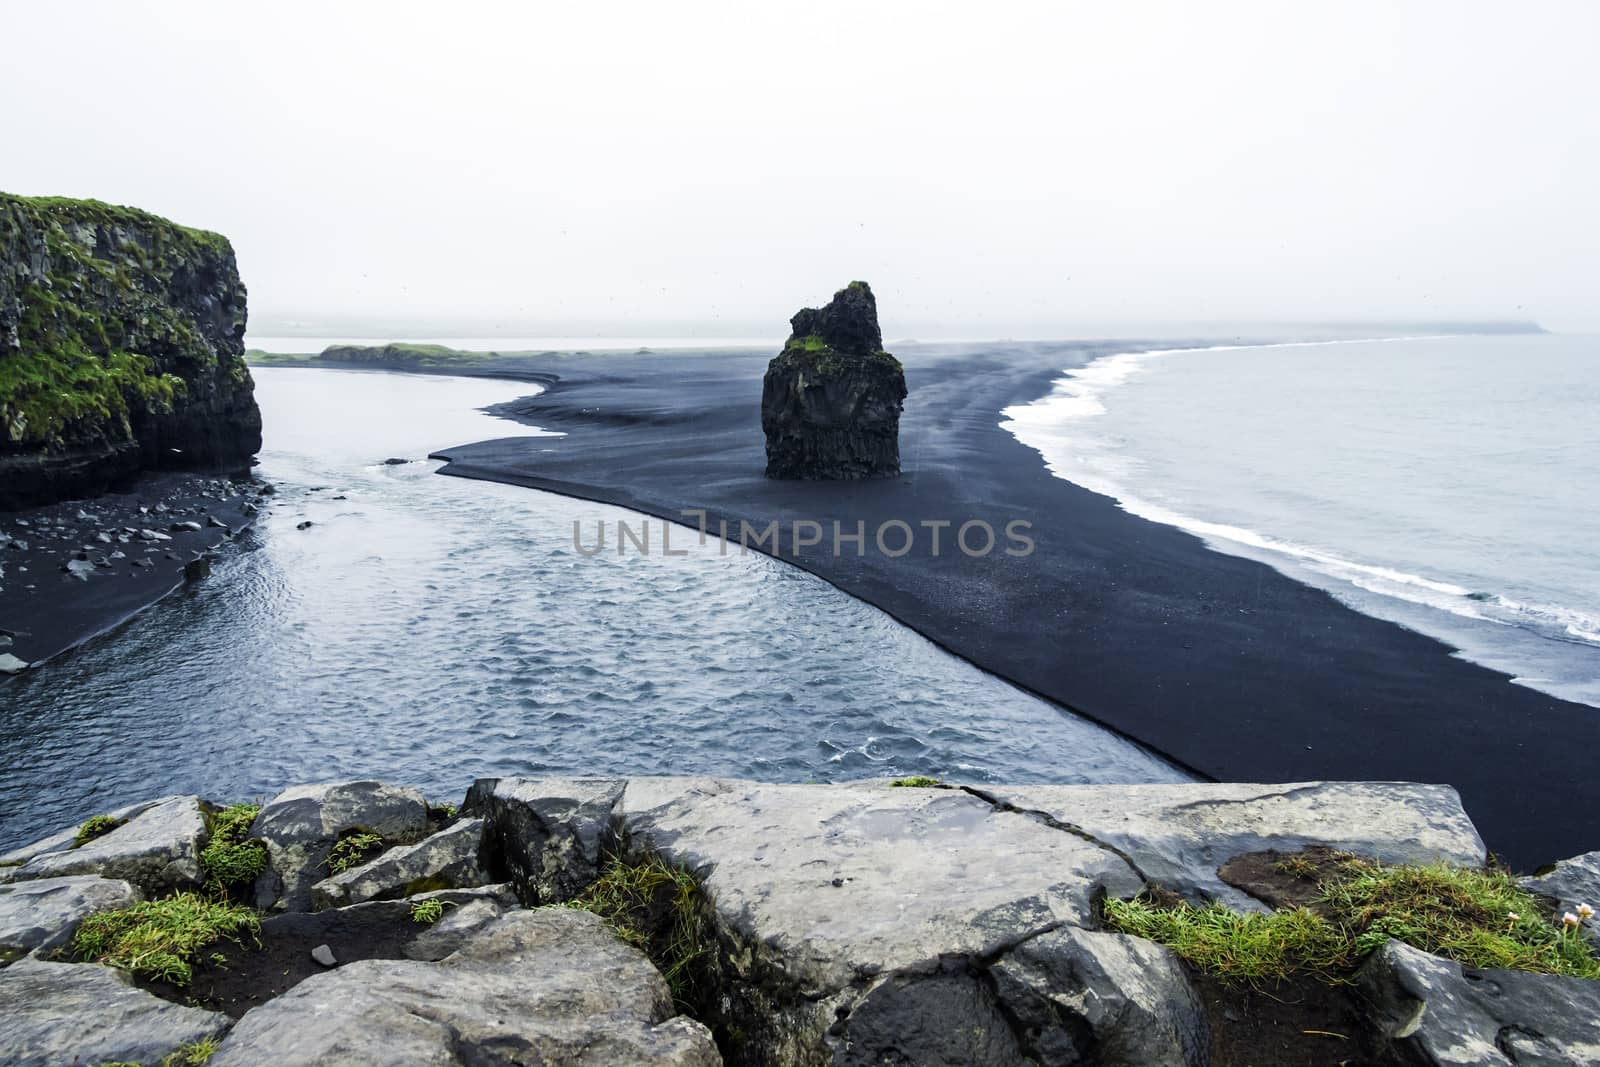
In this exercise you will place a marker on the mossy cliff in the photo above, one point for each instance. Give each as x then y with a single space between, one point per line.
831 400
121 349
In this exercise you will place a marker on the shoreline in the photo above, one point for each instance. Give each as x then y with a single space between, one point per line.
47 611
1221 664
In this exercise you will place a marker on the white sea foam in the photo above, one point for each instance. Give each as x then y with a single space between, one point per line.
1053 426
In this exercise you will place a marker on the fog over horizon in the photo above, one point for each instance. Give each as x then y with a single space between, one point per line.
1012 170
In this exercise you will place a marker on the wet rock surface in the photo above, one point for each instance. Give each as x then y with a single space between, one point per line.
1179 836
831 400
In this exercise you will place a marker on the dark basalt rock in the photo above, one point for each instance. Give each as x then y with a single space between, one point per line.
830 402
121 350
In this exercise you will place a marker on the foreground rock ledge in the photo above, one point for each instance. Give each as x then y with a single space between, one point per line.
848 924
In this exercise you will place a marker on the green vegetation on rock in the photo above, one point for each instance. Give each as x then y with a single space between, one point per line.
353 849
93 827
1479 918
428 911
160 939
193 1054
916 781
657 908
398 354
231 858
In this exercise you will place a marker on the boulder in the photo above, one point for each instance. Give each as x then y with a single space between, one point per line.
43 914
831 400
300 826
1090 996
1178 835
1454 1016
82 1013
1571 883
466 913
447 860
10 664
157 849
845 918
553 986
545 835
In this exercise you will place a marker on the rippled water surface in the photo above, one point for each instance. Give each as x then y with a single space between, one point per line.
429 630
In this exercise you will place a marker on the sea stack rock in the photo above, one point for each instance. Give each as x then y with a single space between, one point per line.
830 403
121 349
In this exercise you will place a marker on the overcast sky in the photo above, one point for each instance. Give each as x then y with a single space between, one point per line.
992 169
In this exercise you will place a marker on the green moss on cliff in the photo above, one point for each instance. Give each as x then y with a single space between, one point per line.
98 340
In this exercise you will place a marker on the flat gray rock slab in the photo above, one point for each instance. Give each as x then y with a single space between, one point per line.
62 839
157 849
447 860
1573 882
551 986
301 824
1459 1017
43 914
53 1014
1179 835
836 884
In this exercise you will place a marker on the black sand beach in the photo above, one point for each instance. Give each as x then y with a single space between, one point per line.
1218 662
129 549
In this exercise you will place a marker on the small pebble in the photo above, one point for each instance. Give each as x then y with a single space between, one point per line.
324 955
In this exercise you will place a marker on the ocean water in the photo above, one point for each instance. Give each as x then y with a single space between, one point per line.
1451 484
429 630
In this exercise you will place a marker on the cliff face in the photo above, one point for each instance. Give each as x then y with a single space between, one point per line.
121 349
830 401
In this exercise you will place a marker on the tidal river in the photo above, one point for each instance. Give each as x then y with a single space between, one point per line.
429 630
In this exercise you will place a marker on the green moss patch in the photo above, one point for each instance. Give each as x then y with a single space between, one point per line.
160 939
1479 918
916 781
93 827
99 341
231 858
353 848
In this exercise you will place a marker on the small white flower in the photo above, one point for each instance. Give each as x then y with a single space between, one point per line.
1585 912
1569 919
1513 916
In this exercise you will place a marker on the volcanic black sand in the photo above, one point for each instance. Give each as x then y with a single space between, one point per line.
130 548
1221 663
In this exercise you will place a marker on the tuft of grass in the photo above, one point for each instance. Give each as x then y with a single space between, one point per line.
444 809
160 938
916 781
656 908
231 858
193 1054
353 849
93 827
1296 867
1462 914
429 911
1235 946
